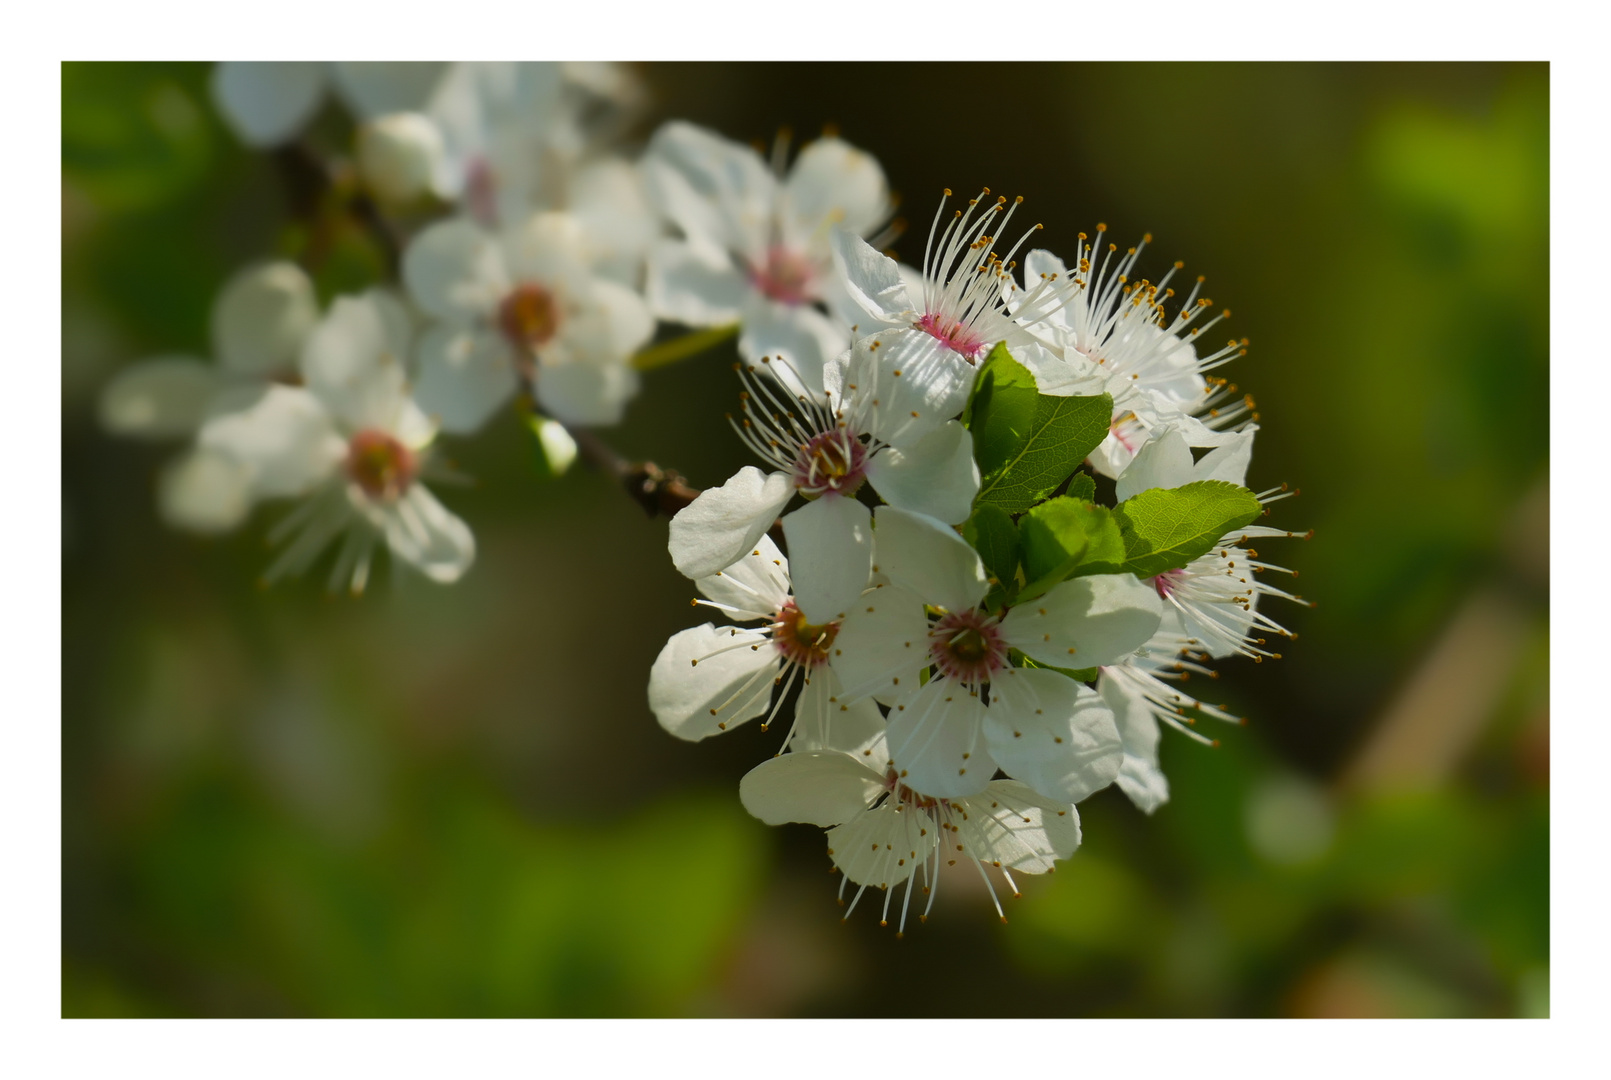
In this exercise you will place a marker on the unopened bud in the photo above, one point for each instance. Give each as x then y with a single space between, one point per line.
399 156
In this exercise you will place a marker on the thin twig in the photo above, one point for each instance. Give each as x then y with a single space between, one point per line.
661 492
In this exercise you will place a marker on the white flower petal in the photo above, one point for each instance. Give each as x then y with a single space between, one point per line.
465 374
261 318
455 270
267 102
425 534
694 288
354 362
833 183
1070 375
936 477
873 281
1229 461
1085 622
611 201
1140 778
550 246
882 645
697 690
1012 827
1052 733
716 190
205 491
282 433
798 338
585 392
374 88
824 721
936 741
1164 462
817 787
884 846
906 385
724 523
832 541
628 323
164 398
756 584
929 558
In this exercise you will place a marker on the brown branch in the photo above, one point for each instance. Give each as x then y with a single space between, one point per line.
661 492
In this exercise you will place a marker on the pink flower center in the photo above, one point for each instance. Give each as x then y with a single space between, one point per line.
529 316
833 461
802 642
967 646
786 276
955 336
381 465
1167 582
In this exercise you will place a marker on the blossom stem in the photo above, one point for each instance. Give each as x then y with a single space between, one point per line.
680 348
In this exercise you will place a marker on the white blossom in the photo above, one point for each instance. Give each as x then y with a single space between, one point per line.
521 303
260 320
1106 331
882 832
755 241
975 711
351 444
711 678
859 430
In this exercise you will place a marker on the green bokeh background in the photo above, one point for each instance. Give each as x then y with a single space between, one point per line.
454 801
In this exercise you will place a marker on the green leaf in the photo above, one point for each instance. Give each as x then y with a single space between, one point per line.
1166 528
1027 443
1082 487
1077 674
993 535
1066 537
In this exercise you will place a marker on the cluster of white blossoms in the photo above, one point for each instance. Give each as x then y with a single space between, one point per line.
1011 497
534 258
978 643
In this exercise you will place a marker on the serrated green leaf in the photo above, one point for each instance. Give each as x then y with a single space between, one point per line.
993 535
1027 443
1166 528
1082 487
1066 537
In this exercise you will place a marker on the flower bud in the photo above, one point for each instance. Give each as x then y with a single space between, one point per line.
399 156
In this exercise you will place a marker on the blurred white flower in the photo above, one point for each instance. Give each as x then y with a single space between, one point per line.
975 711
755 242
861 429
521 137
882 832
267 103
260 320
352 444
521 303
708 679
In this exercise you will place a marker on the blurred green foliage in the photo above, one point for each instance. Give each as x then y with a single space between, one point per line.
455 801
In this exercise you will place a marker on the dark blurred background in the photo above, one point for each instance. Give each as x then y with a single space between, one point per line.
455 800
